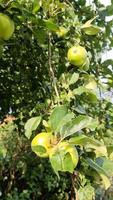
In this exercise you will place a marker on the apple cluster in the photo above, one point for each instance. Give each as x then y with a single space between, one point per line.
46 145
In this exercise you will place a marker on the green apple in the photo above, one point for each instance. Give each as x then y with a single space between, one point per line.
77 55
63 157
42 143
6 27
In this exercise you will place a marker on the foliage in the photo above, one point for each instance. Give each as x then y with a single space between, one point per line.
46 93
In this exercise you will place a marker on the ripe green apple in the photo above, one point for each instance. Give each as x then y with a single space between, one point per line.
42 143
77 55
63 157
6 27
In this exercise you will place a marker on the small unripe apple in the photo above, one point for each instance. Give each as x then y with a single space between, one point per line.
77 55
6 27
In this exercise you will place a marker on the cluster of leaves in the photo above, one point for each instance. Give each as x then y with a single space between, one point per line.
36 76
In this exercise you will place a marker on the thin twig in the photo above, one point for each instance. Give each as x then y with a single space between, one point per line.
69 3
50 66
8 4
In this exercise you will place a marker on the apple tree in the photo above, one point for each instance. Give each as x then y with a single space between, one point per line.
57 84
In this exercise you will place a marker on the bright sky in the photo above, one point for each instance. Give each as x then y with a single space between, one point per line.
105 2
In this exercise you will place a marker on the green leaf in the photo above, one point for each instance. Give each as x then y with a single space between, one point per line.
68 164
101 151
75 125
3 150
88 142
40 149
80 90
32 125
61 160
109 10
36 5
110 149
101 170
56 161
86 192
74 78
64 121
51 25
88 23
95 166
105 180
83 140
57 115
91 85
40 34
91 30
94 123
106 164
92 97
80 109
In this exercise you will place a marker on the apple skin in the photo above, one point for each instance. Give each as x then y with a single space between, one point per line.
43 141
6 27
77 55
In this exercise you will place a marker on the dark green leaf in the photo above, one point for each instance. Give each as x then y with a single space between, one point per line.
57 115
51 25
92 97
65 120
96 167
83 140
106 164
74 78
75 125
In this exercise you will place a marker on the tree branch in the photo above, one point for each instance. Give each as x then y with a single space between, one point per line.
50 66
